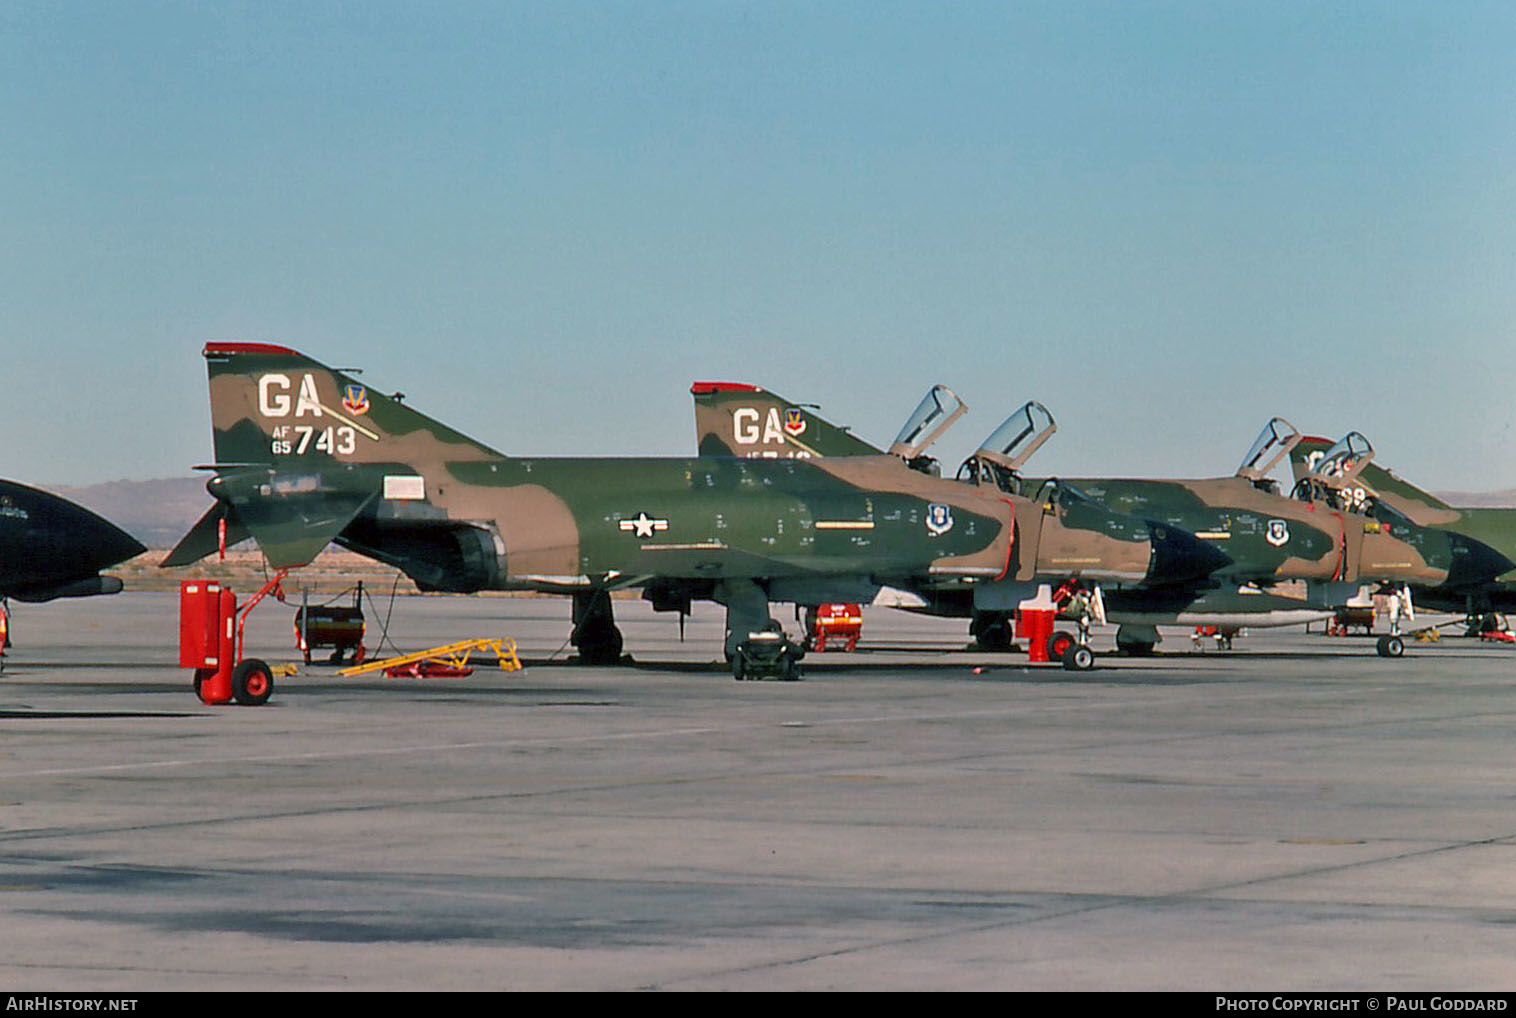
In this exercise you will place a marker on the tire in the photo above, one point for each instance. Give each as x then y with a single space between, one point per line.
1390 646
1078 658
252 683
992 631
737 667
600 644
1058 645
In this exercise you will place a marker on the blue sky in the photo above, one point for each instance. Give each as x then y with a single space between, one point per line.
542 221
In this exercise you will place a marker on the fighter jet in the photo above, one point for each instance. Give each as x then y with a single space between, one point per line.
1317 537
306 455
51 547
1380 492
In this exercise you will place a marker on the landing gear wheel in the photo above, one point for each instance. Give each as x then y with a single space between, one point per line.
252 683
1390 646
1134 649
1078 658
1058 645
599 644
993 631
737 672
789 671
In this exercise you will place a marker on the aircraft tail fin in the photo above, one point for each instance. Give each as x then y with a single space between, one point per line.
1383 480
302 450
732 419
275 406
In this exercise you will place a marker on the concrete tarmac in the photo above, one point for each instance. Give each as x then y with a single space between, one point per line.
1297 814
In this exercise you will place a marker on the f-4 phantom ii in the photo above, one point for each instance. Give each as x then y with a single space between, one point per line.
305 455
1266 538
1381 493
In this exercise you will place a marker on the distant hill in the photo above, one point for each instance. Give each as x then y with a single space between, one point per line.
157 513
1480 499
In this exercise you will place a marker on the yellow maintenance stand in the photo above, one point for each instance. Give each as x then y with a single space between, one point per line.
450 661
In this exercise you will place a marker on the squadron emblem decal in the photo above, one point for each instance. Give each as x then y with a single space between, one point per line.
939 519
1278 533
355 399
794 421
643 525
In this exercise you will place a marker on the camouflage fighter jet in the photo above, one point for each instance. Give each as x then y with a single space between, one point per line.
306 455
1268 538
1381 493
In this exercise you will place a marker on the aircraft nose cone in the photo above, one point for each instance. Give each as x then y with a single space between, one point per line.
115 546
85 543
1181 557
1474 562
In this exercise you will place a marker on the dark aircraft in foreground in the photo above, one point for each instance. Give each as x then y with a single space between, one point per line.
51 547
1268 539
306 455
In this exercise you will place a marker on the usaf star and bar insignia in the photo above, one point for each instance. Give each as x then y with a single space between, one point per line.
643 526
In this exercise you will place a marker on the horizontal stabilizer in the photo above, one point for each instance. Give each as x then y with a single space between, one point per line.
205 537
293 531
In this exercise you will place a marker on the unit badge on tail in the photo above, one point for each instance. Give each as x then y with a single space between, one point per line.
355 399
794 421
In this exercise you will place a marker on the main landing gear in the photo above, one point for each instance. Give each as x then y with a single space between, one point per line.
755 643
595 632
993 631
1136 641
1393 645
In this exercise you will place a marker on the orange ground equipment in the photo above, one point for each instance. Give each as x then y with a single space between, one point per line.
340 627
1035 625
1223 635
211 639
843 622
1344 620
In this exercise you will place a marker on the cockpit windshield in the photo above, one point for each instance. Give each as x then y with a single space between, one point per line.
1276 440
1013 443
1333 475
1343 461
998 461
935 414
